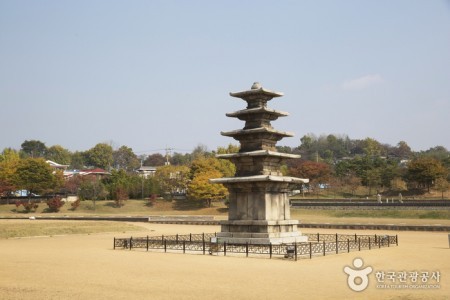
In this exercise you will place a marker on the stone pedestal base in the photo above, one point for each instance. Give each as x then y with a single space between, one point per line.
260 232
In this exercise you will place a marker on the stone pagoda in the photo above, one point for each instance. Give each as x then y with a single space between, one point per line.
259 210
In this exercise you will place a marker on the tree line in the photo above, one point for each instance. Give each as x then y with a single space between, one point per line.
334 163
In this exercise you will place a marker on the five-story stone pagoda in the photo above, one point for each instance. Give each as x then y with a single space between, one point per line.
259 210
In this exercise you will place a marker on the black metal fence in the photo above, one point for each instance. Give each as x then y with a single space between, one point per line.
317 245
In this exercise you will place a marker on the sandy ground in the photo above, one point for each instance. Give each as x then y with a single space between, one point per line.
86 267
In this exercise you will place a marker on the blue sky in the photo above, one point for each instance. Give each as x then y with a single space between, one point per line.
156 74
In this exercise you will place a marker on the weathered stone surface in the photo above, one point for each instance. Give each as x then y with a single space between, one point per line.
258 203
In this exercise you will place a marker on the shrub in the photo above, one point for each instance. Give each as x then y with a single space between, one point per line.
120 196
55 204
152 200
75 204
27 206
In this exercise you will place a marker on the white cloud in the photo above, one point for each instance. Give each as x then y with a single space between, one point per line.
362 82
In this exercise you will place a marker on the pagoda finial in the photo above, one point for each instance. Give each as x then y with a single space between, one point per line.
256 86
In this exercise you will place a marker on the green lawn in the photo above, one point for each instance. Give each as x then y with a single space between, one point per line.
219 210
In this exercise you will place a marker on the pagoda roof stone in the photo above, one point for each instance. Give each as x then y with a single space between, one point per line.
258 153
257 110
240 132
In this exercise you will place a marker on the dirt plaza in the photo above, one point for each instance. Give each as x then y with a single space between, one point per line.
87 267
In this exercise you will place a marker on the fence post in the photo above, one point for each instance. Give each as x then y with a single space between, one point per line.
224 248
324 250
376 239
355 238
318 237
190 237
147 242
295 251
379 242
359 244
184 247
270 250
246 248
337 246
369 242
162 239
177 238
396 239
114 246
165 245
310 250
203 244
131 242
348 245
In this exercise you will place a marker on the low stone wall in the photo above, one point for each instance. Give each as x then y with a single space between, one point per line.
206 220
378 227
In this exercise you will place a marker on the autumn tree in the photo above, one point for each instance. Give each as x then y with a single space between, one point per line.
316 172
9 160
172 179
425 170
200 188
205 168
35 175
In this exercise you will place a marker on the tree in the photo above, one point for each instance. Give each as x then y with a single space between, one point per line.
35 175
119 185
398 184
124 158
33 148
205 168
9 160
172 179
225 167
78 160
100 156
230 149
88 188
201 189
403 150
438 152
425 170
372 147
155 160
200 151
58 154
442 185
317 172
179 159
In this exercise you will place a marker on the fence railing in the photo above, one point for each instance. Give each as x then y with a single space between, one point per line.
318 245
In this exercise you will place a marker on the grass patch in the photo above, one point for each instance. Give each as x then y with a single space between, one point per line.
131 208
29 228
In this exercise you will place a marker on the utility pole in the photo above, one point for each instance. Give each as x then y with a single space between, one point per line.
168 150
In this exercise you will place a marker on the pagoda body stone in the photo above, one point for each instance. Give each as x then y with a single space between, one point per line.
259 210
